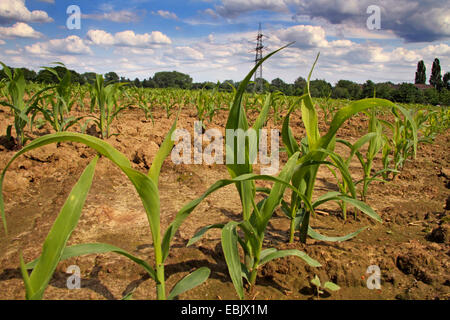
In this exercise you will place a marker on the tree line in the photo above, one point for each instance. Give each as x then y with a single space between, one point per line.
438 92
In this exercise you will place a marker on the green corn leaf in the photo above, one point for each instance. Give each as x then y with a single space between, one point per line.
285 253
29 291
238 120
277 192
331 286
188 208
262 118
316 282
7 70
264 253
365 208
59 234
231 253
192 280
309 113
287 136
317 236
97 248
347 112
202 231
163 152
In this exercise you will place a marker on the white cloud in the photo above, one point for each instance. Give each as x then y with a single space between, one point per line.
15 10
2 42
122 16
127 38
101 37
19 30
304 36
72 45
188 53
233 8
412 20
165 14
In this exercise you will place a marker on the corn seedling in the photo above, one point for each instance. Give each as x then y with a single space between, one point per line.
326 286
376 140
22 111
147 189
61 101
141 99
105 98
319 147
403 142
255 217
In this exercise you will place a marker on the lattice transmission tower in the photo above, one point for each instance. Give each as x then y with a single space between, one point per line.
259 85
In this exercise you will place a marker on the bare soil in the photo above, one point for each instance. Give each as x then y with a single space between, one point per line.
411 247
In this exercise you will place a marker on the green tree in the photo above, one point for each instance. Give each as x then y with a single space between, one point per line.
446 80
30 75
354 89
299 86
137 83
280 85
407 93
224 85
436 76
174 79
444 97
320 89
89 77
340 93
421 76
368 89
431 96
111 77
149 83
384 90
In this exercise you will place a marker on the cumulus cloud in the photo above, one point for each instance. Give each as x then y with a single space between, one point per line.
19 30
15 10
127 38
304 36
412 20
72 45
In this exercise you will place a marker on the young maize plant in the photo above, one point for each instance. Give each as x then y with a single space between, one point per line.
55 250
61 100
255 217
403 142
105 98
326 286
376 140
22 110
328 107
141 98
315 150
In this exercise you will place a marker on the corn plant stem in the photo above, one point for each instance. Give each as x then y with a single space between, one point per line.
292 231
160 286
254 271
159 265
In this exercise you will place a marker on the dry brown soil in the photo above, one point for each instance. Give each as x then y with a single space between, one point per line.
411 247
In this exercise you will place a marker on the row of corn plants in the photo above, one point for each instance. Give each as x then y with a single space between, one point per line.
299 174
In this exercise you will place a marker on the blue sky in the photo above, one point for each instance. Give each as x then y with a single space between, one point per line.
213 39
